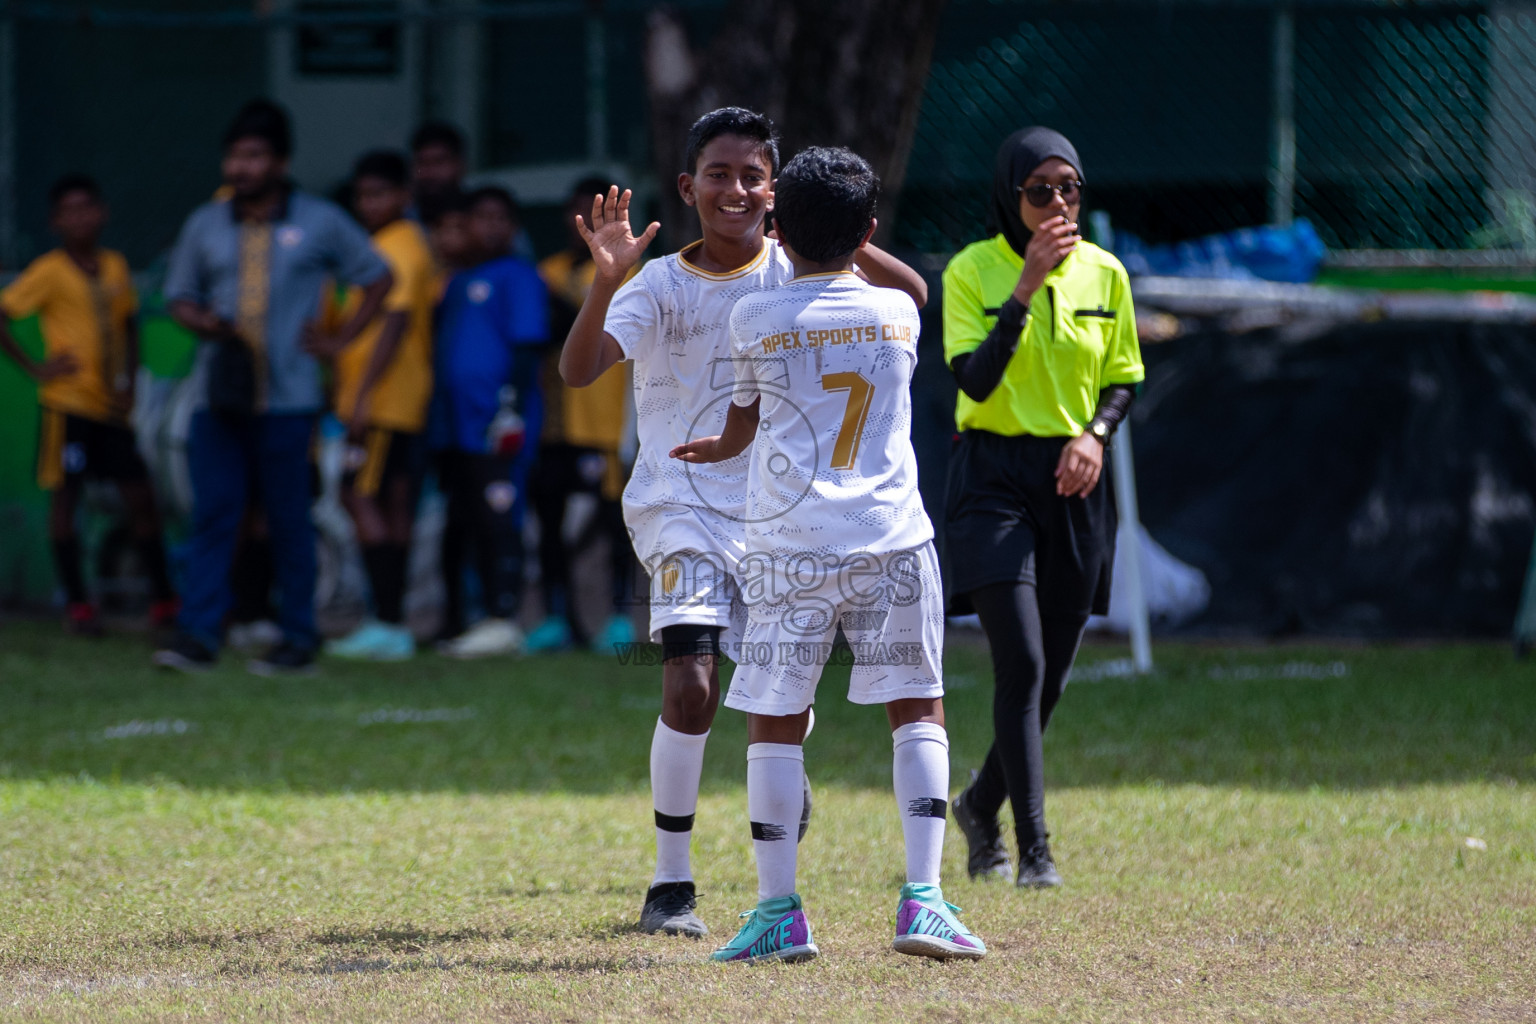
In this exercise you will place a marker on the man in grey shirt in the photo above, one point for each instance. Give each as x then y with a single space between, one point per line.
247 277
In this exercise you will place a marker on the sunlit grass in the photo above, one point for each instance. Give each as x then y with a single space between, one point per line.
1253 834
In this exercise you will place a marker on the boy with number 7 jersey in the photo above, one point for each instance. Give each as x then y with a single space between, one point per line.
686 522
836 536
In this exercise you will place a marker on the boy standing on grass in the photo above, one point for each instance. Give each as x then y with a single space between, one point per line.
836 535
91 357
671 320
383 383
492 326
246 277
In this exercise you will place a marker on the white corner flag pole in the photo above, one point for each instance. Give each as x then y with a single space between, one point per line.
1128 566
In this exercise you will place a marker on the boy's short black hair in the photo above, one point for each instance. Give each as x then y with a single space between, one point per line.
67 183
432 209
500 195
733 121
384 164
262 119
824 201
438 133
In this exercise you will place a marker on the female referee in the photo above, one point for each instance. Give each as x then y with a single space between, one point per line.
1041 336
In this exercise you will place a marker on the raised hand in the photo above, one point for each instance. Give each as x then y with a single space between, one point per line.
1051 243
615 248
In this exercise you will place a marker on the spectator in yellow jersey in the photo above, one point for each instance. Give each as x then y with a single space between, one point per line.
383 383
88 308
579 453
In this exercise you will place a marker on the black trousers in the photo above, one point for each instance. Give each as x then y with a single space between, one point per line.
564 470
1033 565
484 518
1032 654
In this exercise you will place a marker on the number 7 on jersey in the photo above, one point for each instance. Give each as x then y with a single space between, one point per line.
845 450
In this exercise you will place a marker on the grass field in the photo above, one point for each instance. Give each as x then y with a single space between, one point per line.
1254 834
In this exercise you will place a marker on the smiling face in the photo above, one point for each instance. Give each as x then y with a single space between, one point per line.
1054 171
731 186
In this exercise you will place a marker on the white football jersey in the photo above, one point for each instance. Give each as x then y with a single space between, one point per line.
673 320
832 468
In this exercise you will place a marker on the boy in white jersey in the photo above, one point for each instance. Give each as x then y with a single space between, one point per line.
836 535
686 521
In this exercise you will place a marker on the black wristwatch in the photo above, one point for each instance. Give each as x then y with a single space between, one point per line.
1100 430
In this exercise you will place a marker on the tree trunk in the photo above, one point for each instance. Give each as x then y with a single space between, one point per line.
849 73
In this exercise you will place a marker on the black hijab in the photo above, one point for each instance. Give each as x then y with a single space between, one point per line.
1017 158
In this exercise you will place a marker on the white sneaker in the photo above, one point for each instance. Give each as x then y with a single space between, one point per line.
487 638
258 635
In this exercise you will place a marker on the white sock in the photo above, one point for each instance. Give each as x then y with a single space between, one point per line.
677 761
775 798
920 770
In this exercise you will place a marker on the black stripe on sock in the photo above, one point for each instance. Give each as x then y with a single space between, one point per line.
768 833
674 822
927 807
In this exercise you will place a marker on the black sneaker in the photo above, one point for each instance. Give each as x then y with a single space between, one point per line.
184 654
805 811
285 659
669 909
1036 868
988 857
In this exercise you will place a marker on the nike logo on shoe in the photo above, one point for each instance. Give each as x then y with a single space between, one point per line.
926 922
775 938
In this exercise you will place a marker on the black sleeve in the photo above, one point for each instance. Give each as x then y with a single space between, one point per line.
1114 403
979 371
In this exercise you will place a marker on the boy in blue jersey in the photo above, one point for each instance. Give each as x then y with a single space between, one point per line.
492 326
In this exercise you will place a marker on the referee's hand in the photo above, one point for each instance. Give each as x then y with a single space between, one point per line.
1048 246
1078 469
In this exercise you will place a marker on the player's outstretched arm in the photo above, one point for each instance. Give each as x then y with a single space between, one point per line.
740 429
589 350
883 270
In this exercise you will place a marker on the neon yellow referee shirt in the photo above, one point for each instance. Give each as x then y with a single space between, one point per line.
1079 337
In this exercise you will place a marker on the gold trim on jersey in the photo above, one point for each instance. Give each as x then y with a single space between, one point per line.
50 449
741 271
824 273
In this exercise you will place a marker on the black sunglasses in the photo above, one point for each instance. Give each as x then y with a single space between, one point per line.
1040 196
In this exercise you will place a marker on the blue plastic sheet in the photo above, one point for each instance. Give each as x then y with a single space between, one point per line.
1269 253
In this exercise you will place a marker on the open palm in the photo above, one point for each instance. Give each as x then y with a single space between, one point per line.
615 248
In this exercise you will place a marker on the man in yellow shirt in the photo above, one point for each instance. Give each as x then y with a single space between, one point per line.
579 452
88 307
383 381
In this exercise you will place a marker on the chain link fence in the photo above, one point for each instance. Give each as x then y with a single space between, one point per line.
1388 126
